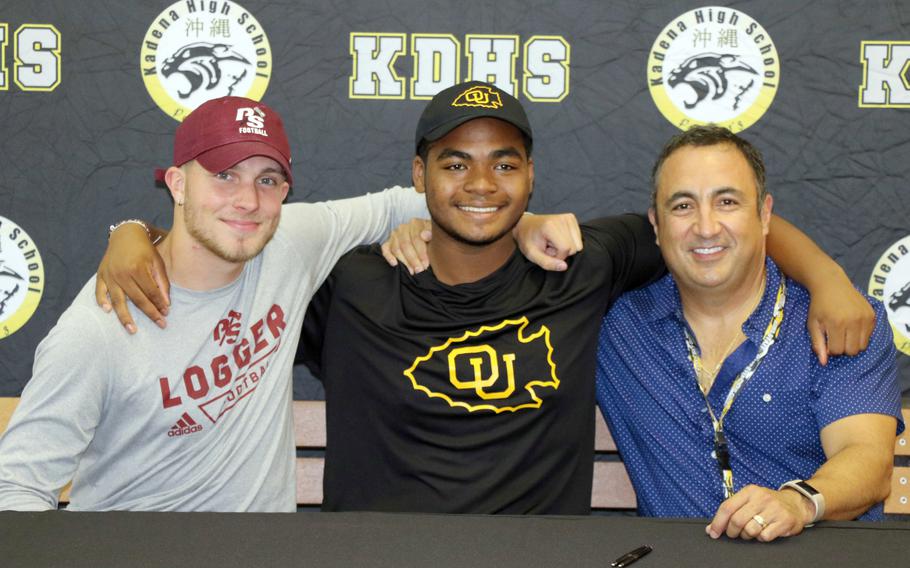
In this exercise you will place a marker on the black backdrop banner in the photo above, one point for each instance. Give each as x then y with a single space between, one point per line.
91 91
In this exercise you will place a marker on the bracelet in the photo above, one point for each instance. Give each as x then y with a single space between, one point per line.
139 222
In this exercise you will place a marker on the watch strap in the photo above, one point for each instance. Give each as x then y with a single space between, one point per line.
812 494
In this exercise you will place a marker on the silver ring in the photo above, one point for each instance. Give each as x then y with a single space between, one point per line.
760 520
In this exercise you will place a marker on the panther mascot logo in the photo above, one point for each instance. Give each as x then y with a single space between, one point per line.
900 299
706 74
201 63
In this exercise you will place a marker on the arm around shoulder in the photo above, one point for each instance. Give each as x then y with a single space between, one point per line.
630 242
359 220
132 268
840 319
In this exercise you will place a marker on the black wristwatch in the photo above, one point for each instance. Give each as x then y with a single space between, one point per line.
810 493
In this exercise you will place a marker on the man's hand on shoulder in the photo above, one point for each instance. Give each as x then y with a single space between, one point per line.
548 240
760 513
840 319
131 267
407 244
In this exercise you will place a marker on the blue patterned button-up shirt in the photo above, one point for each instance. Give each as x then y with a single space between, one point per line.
648 392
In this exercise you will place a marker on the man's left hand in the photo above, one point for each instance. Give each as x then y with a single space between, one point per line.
760 513
407 244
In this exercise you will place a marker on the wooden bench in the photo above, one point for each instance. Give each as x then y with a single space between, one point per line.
898 503
611 490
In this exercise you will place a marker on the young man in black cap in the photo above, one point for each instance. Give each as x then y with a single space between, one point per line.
468 387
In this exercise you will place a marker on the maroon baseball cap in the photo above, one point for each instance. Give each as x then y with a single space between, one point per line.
225 131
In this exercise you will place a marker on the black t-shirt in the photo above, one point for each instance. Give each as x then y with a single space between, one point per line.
476 398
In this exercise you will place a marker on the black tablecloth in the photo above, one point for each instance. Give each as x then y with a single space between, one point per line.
180 540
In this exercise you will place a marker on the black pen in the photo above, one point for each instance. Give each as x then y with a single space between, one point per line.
630 557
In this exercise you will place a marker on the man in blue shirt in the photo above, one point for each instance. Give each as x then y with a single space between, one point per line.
707 377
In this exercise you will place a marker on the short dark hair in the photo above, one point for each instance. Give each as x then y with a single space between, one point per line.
710 135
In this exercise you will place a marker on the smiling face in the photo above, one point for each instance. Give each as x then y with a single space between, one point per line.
478 180
709 227
234 213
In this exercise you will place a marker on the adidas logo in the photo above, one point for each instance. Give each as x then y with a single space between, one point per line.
186 425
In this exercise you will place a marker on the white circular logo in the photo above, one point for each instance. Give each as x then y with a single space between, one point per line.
890 283
21 277
197 51
713 65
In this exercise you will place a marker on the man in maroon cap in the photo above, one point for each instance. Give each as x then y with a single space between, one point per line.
198 416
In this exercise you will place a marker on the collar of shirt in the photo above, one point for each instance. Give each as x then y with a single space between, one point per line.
667 305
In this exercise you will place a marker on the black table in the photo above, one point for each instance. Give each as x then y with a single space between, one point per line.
195 540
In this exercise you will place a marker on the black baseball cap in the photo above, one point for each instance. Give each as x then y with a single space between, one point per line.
460 103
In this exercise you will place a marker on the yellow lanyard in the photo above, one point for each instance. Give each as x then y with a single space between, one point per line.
721 451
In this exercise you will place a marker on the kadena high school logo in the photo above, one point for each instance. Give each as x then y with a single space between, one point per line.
890 283
21 277
199 50
499 368
713 65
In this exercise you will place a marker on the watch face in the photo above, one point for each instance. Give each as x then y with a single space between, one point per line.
806 487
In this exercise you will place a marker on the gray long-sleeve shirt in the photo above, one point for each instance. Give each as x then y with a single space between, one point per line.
195 417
